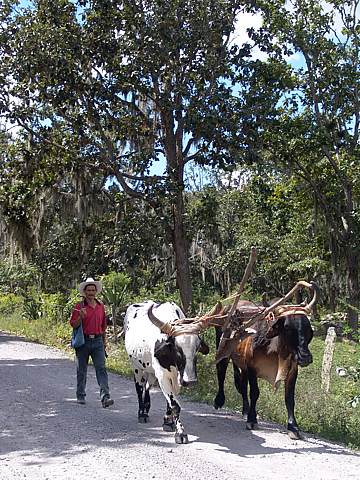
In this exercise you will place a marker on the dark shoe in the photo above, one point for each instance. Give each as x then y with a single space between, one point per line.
81 401
107 402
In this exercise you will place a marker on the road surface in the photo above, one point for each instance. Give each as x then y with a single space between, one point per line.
45 435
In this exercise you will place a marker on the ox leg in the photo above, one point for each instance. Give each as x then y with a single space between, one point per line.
293 429
180 435
221 368
144 407
147 402
254 395
169 424
241 384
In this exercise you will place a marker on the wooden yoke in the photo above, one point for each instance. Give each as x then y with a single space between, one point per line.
230 337
245 278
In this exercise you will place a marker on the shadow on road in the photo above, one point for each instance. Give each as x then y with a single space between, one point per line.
40 418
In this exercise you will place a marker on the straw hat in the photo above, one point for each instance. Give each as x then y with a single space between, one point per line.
89 281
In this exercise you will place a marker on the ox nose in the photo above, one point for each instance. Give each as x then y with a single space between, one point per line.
304 359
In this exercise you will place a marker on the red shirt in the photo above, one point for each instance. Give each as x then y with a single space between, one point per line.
94 322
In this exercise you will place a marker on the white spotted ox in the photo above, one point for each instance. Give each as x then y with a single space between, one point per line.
160 359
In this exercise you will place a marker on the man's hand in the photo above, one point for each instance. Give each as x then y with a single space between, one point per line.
105 344
82 313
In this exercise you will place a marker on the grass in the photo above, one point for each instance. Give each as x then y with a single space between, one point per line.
327 415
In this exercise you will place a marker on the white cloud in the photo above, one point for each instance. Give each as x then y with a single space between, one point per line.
240 36
246 20
243 22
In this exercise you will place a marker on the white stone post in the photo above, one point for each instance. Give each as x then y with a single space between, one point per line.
327 359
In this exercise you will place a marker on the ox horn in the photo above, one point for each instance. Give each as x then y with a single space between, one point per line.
297 287
316 291
311 286
156 321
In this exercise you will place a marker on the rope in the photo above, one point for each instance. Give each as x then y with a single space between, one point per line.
236 321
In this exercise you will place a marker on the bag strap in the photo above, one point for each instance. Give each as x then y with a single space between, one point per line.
82 305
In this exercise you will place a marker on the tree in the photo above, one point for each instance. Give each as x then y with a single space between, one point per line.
139 82
270 212
315 133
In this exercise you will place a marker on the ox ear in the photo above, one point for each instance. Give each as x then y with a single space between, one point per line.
265 300
218 308
165 352
275 329
204 348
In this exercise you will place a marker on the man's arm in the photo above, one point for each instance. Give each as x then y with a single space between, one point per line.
77 316
104 325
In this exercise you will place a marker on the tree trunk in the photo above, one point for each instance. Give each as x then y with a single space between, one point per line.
352 277
334 280
183 276
175 168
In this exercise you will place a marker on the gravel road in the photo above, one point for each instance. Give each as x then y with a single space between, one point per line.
45 435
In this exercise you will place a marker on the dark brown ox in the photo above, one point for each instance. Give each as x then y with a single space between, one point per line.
275 349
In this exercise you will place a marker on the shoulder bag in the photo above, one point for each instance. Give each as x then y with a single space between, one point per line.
77 338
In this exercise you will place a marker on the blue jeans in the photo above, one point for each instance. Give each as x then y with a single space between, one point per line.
94 348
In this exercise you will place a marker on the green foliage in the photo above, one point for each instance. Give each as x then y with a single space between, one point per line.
67 303
114 294
115 285
118 361
204 298
10 303
55 307
314 132
270 212
59 260
354 372
353 379
159 293
17 277
32 306
39 330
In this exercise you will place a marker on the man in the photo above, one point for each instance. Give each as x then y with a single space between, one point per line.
91 313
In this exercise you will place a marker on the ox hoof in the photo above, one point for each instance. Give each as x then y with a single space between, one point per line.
250 425
144 419
245 414
219 402
181 438
169 427
294 435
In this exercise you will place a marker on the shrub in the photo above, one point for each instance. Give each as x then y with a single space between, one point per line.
114 292
10 302
158 293
32 306
54 307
